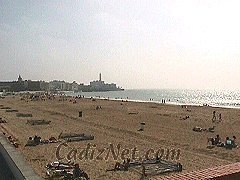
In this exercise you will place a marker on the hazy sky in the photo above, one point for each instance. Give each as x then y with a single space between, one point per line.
190 44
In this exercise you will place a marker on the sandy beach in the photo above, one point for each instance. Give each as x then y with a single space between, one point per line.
118 123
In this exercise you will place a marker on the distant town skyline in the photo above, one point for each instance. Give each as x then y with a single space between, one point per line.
21 84
142 44
19 76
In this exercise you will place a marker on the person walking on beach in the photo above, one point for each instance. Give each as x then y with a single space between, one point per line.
214 116
220 117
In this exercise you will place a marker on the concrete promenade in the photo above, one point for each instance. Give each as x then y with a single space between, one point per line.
12 164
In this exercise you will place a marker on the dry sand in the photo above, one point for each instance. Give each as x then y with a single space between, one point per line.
113 124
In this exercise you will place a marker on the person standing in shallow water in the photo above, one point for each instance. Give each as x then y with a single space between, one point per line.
214 116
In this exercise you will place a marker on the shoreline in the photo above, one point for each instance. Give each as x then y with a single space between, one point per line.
235 105
158 102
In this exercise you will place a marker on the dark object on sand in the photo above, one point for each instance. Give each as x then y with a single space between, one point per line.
33 141
2 121
142 125
5 108
23 115
157 167
212 129
133 113
38 122
69 135
80 114
152 167
75 137
11 110
80 138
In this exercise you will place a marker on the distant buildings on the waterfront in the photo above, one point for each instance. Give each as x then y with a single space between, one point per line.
28 85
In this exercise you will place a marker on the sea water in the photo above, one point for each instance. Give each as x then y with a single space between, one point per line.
214 98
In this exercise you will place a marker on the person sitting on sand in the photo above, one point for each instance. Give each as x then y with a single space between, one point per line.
30 142
234 142
186 117
217 140
228 143
158 159
77 172
211 129
197 129
211 141
52 140
10 138
121 167
37 140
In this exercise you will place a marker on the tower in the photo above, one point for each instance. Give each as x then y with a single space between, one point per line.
100 77
19 78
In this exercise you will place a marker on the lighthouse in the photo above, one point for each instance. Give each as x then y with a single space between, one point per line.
20 78
100 77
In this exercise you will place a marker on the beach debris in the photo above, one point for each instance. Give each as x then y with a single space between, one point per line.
38 122
69 137
23 115
67 170
142 125
11 110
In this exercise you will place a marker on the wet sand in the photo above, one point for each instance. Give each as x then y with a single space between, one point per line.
118 123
